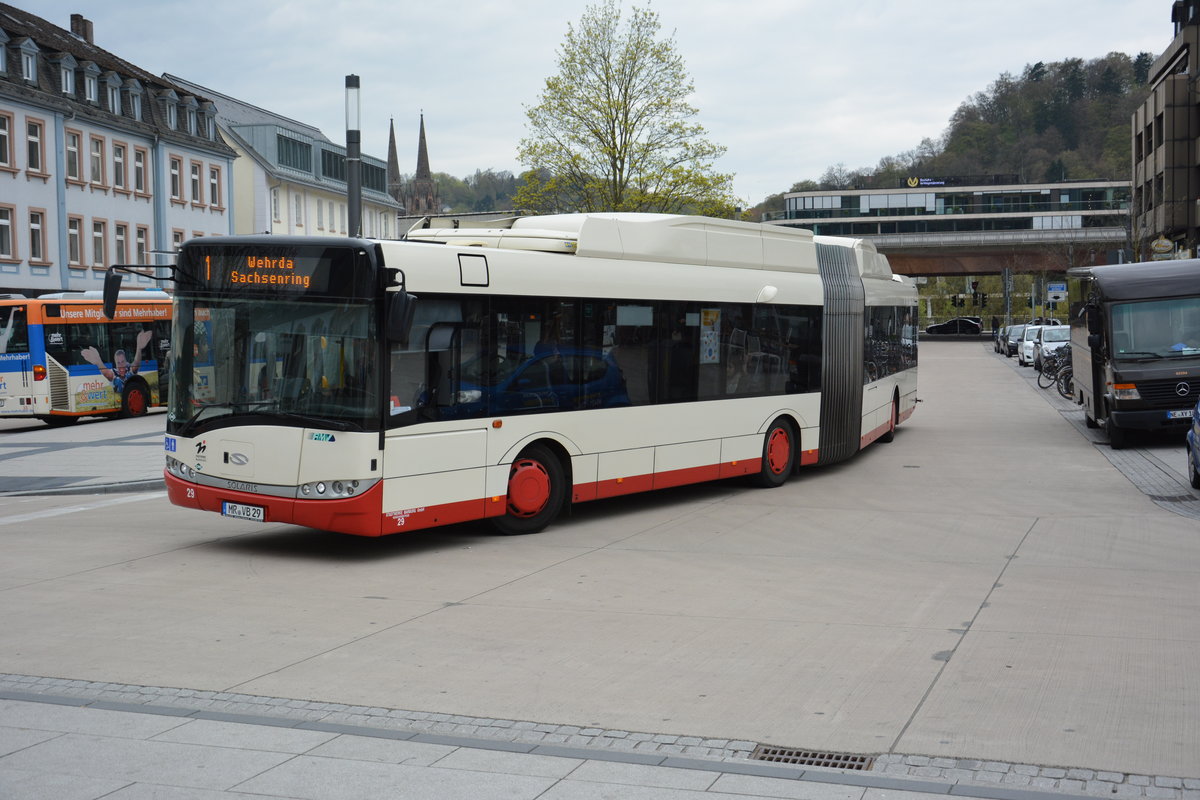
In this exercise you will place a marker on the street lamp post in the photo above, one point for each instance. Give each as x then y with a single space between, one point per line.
353 157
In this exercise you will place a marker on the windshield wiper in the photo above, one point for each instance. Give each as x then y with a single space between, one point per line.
314 422
1140 355
193 421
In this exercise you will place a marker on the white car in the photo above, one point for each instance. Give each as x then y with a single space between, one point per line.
1025 346
1050 338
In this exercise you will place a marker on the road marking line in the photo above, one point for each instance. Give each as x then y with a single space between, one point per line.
55 512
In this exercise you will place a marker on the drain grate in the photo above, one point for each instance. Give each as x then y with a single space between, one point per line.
811 758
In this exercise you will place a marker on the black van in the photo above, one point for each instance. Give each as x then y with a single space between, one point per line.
1135 346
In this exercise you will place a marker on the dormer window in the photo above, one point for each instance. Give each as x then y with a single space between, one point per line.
172 116
191 121
135 106
27 53
3 53
65 64
91 82
114 98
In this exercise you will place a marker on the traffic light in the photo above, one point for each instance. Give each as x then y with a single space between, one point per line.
983 298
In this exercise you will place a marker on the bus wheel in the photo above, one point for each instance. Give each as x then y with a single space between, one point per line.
536 490
779 454
1118 438
135 402
891 431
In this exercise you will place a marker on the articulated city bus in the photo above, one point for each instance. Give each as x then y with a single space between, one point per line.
374 387
61 359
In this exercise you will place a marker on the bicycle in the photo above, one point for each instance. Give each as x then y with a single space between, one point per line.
1052 364
1066 382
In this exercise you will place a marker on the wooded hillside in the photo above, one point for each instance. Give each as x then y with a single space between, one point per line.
1059 121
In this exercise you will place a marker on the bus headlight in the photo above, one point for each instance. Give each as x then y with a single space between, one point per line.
331 489
180 469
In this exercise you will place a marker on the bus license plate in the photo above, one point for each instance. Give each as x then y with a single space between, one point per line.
243 511
1179 414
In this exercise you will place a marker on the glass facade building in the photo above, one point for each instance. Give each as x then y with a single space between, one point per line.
934 206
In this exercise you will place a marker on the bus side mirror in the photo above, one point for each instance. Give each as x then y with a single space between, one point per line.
112 287
1093 319
400 315
1094 341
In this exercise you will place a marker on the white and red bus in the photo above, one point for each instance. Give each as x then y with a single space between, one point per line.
375 387
62 359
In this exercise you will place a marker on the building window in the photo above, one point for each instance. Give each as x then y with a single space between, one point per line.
176 179
293 153
29 67
172 116
135 106
99 245
191 121
6 233
75 241
320 216
37 237
114 98
197 197
275 204
68 79
118 166
299 211
91 89
121 243
342 217
34 153
139 171
73 139
6 155
176 239
214 187
97 161
143 249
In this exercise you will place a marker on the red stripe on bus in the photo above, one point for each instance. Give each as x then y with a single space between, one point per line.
360 515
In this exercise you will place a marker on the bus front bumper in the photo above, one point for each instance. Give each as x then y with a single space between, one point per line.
360 515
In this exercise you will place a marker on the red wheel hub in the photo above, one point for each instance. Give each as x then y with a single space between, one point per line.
779 450
136 401
528 488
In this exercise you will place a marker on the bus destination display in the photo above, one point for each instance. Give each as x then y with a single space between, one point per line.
256 272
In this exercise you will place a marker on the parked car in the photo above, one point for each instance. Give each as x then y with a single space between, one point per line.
1049 339
1011 338
1000 342
1193 448
965 325
1025 346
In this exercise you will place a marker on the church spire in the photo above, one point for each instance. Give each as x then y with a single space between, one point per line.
395 187
423 172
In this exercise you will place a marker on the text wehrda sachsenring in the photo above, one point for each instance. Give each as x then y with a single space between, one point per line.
273 271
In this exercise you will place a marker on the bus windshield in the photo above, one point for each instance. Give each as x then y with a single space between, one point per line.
308 364
14 333
1156 329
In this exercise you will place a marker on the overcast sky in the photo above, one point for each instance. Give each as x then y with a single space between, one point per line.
790 87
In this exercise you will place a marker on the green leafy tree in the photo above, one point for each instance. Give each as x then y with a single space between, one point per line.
613 130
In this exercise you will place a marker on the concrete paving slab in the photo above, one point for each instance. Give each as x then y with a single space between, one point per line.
91 757
791 790
509 763
14 739
792 683
247 737
641 775
1036 698
314 778
19 784
385 751
59 719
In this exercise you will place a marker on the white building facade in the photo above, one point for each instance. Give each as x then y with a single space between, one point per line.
100 162
290 179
